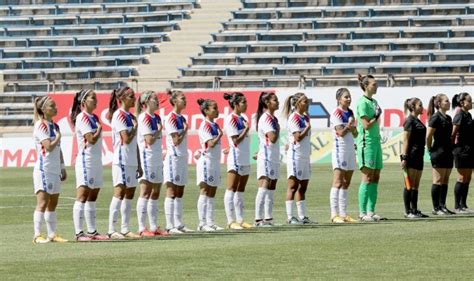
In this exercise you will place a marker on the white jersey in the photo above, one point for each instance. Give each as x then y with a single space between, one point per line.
341 117
124 154
208 131
298 150
174 123
268 151
238 154
88 154
150 155
48 162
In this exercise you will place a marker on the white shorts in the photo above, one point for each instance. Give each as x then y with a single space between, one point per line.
344 160
208 173
126 175
175 170
300 169
153 174
268 169
91 177
241 170
47 182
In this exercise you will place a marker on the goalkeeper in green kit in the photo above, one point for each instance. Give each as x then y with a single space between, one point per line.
369 148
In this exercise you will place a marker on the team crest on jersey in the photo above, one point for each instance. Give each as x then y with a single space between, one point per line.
272 172
371 162
344 163
128 179
300 172
211 178
177 178
91 180
50 185
152 175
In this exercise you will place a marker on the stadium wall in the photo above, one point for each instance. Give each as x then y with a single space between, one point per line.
18 150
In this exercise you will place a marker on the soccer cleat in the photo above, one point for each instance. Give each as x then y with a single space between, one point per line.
439 212
268 223
234 225
349 219
57 239
294 221
216 227
162 233
461 211
184 229
116 236
246 225
132 235
447 211
419 214
337 219
81 237
147 233
97 236
174 231
366 218
410 216
258 223
306 220
376 217
467 210
205 228
40 240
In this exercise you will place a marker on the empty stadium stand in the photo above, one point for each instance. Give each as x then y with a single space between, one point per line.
301 43
64 45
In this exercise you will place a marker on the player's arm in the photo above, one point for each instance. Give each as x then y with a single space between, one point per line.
403 155
298 136
429 137
92 138
272 136
178 138
213 142
51 145
127 136
454 133
63 175
239 138
368 123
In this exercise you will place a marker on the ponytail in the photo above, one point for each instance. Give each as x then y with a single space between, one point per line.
290 104
409 104
173 94
458 98
434 104
115 99
142 100
262 104
38 107
79 98
204 105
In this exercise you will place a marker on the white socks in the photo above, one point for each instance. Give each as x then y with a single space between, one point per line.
78 216
142 213
50 218
300 207
210 215
260 202
202 209
269 204
239 206
289 208
126 211
169 212
343 202
37 220
178 212
90 215
114 209
152 210
334 201
229 205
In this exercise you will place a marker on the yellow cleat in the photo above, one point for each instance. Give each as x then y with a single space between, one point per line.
246 225
132 235
40 240
349 219
57 239
234 225
337 219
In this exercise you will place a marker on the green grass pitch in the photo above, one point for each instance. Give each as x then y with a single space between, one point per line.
434 248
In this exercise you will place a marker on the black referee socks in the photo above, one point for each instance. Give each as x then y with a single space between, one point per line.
436 195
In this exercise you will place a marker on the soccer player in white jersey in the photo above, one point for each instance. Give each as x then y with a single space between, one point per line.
298 163
343 156
88 165
149 139
175 170
238 161
125 168
49 169
208 168
268 158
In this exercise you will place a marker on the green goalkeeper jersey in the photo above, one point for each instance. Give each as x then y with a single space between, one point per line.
367 107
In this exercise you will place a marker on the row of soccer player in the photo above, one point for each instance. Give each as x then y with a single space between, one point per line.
152 171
